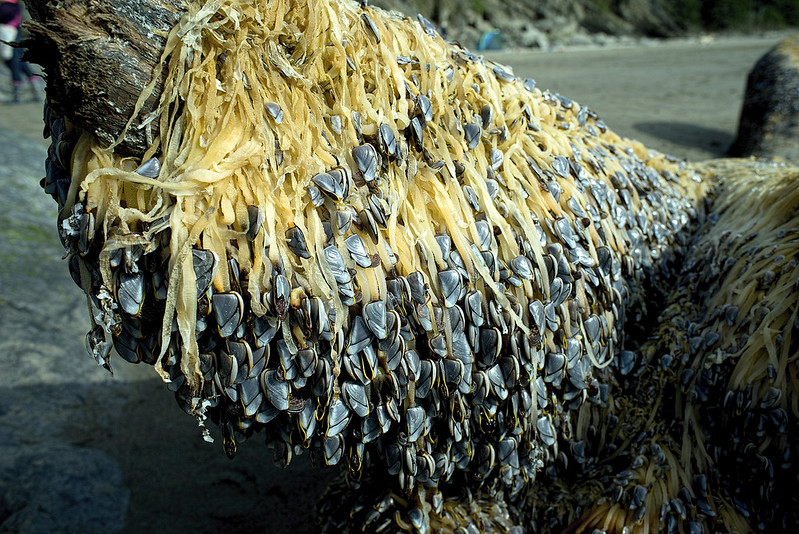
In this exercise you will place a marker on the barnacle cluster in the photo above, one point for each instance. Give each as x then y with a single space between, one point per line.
364 242
699 433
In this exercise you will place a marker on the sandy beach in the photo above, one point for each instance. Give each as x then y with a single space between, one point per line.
117 449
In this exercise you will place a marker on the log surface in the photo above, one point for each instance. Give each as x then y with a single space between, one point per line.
98 56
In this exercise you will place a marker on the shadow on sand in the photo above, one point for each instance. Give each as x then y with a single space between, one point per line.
123 457
690 135
81 451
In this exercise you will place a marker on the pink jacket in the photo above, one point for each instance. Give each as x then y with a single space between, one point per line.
12 6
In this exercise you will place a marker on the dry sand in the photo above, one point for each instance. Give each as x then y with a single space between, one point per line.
117 451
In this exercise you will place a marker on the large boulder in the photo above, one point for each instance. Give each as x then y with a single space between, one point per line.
769 124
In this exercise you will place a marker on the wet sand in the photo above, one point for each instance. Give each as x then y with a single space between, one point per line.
118 451
683 98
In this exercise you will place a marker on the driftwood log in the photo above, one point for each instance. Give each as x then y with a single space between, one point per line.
97 56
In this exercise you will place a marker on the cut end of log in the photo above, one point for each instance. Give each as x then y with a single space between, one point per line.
97 57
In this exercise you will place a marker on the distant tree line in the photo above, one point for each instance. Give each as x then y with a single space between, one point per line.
710 14
654 18
734 14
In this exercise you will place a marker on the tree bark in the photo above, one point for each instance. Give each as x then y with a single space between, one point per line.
98 56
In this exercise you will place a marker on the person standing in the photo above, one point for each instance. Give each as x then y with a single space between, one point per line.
11 16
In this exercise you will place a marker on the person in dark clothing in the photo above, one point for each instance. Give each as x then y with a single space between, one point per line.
11 15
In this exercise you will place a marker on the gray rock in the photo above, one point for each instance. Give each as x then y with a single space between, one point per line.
769 124
581 38
532 37
604 21
60 488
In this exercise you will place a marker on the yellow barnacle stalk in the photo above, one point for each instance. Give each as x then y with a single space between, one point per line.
219 152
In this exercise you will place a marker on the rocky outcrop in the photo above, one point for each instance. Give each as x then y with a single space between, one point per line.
523 23
53 485
534 24
648 17
769 124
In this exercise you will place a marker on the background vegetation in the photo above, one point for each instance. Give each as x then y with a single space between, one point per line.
735 14
691 15
718 14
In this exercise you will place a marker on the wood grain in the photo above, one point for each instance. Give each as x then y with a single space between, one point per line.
97 57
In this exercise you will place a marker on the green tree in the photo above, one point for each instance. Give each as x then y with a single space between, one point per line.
688 13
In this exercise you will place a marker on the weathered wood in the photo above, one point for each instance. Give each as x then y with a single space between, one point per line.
98 56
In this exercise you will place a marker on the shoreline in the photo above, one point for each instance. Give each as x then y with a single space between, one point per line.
615 42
